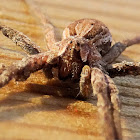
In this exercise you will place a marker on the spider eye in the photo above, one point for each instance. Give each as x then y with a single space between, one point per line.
70 42
91 23
70 49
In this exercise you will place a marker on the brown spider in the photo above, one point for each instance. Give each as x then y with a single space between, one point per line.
85 55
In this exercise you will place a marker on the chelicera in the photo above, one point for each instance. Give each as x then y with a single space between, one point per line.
83 55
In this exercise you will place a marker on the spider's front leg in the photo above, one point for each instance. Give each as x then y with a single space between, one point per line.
108 103
85 82
20 39
21 70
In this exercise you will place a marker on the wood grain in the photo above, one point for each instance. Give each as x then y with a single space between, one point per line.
26 113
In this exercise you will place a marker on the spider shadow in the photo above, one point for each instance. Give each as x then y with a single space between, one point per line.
17 104
50 98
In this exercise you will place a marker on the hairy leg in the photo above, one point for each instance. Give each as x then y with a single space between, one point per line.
85 82
118 48
48 27
124 68
108 104
21 70
115 101
20 39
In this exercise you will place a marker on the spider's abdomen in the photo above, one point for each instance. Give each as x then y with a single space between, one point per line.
93 30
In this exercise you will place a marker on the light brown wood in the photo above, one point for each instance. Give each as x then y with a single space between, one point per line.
26 113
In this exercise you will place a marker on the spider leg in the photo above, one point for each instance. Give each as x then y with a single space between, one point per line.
118 48
21 70
108 103
85 83
48 27
20 39
124 68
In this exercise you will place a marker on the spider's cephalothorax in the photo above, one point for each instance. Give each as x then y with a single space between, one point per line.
84 42
75 53
84 54
70 63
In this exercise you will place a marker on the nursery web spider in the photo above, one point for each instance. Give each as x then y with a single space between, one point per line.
83 55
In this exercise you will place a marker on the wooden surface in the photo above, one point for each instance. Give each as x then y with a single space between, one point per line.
26 113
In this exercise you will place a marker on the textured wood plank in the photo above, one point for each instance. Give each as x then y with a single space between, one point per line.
29 114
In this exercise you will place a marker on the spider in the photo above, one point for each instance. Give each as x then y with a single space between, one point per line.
83 55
